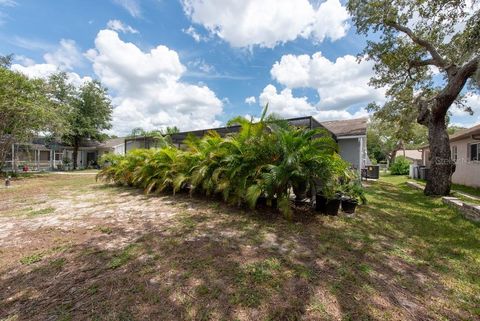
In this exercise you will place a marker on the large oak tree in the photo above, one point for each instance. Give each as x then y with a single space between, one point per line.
427 53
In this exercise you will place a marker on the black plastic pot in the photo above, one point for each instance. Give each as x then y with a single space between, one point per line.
327 206
321 203
349 205
300 191
332 206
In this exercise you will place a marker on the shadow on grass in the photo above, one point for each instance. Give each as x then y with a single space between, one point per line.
220 263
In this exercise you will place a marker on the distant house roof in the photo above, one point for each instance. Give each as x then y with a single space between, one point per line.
412 154
465 133
307 121
339 128
349 127
111 143
462 134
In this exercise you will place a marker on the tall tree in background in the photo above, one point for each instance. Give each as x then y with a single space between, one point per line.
386 138
414 40
25 109
89 115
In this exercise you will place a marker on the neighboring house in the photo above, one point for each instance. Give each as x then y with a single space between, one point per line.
41 154
412 155
465 149
351 136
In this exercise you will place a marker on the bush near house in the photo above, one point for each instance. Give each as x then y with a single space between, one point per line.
400 167
264 160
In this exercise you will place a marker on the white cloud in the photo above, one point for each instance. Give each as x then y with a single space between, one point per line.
67 56
340 84
471 100
283 103
117 25
45 70
8 3
250 100
268 23
201 65
147 87
132 6
64 58
192 32
25 61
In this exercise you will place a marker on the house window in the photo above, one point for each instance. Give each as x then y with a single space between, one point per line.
44 156
474 150
454 153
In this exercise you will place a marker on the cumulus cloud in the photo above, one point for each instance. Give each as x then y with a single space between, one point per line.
268 23
65 58
340 83
119 26
283 103
148 90
250 100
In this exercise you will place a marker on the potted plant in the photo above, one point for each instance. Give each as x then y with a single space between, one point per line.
329 176
328 199
352 193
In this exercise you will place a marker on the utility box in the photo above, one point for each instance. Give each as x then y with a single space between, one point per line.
424 172
372 171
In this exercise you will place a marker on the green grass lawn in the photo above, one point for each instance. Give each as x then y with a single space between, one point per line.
455 188
404 256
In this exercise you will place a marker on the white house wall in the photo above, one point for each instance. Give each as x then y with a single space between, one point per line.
467 172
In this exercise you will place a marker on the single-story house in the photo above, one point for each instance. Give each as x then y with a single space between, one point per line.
412 155
39 154
43 154
351 136
465 149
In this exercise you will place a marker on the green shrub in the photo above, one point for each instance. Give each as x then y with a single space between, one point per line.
400 167
263 160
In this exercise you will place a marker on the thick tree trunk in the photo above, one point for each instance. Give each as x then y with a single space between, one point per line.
75 153
442 167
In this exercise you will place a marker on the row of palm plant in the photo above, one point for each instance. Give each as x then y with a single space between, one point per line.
264 160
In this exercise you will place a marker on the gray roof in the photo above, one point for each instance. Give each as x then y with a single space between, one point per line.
465 133
112 142
347 127
338 128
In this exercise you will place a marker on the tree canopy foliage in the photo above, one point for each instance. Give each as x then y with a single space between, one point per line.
427 54
25 109
385 139
87 110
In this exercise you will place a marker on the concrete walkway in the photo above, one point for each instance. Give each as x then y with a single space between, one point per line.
75 173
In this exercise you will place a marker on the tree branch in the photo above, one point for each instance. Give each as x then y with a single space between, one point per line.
422 63
437 59
455 85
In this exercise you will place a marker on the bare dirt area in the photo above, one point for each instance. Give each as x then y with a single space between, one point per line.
75 249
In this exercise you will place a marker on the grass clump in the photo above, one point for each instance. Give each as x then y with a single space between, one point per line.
43 211
31 259
125 256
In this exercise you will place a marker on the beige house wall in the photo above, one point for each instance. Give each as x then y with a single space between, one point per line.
467 172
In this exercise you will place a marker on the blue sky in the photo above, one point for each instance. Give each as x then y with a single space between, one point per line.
213 55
